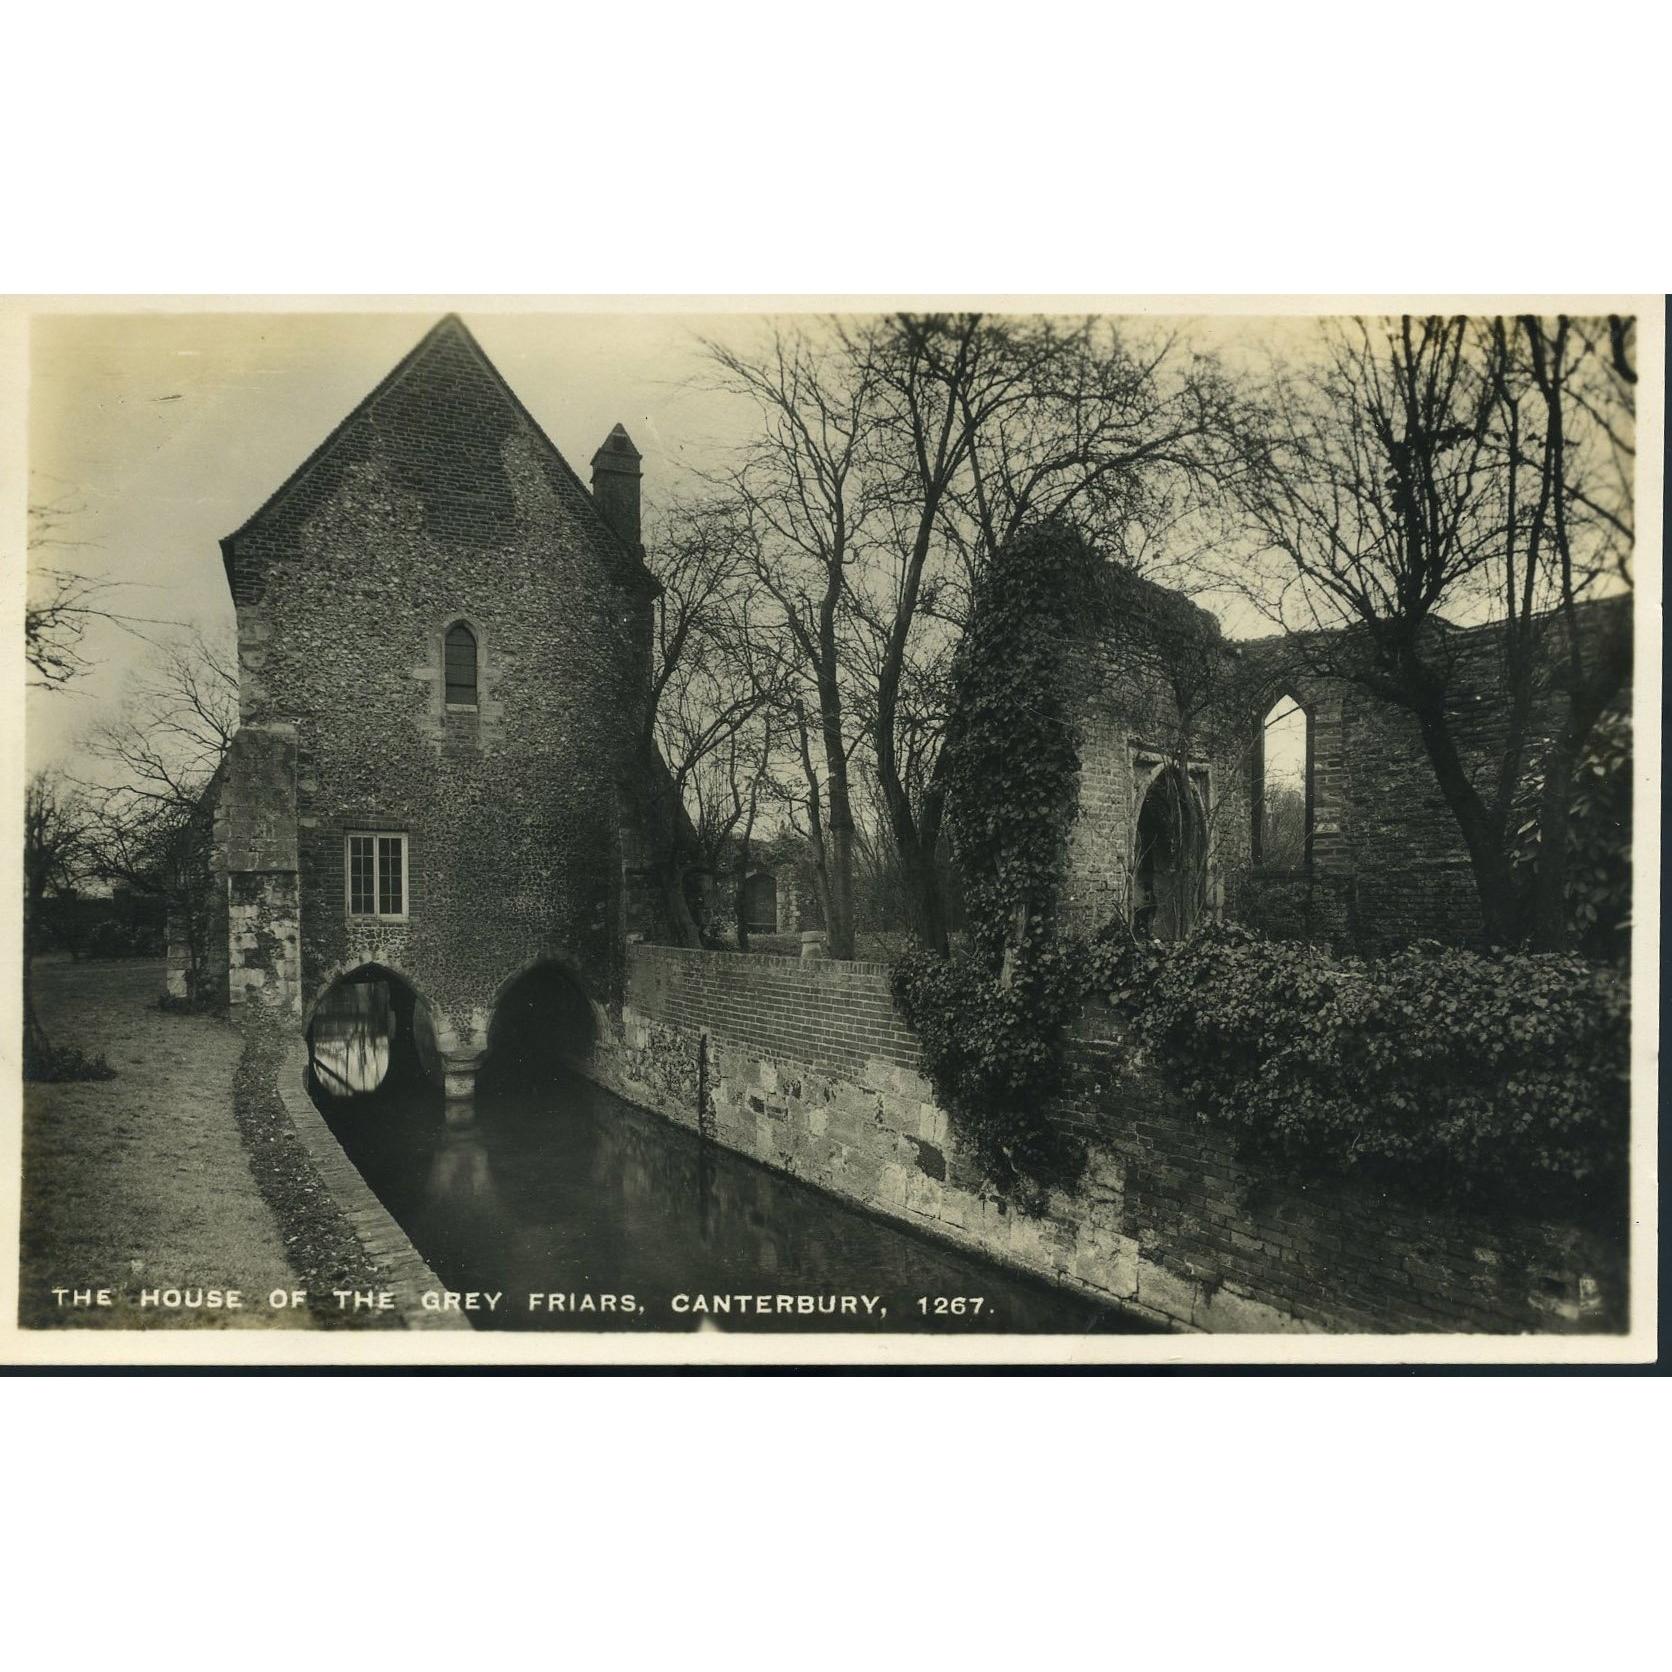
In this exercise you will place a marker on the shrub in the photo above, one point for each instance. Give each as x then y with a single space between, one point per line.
991 1055
65 1062
1466 1071
1598 885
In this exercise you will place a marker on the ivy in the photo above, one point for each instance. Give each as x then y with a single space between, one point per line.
1450 1072
1599 840
989 1019
1447 1071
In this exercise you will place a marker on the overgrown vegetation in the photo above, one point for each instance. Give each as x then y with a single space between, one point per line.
1597 875
989 1018
1453 1072
1464 1073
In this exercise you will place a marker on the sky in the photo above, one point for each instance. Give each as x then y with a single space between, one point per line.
152 435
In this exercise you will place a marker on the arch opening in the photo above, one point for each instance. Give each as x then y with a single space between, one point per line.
760 903
1170 875
541 1026
1282 836
371 1032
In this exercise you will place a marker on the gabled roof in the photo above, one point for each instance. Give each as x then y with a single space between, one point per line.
450 329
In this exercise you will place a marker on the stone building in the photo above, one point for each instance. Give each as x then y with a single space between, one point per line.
1384 860
440 778
1178 773
1163 820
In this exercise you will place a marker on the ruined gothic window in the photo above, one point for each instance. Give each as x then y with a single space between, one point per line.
376 874
461 666
1283 804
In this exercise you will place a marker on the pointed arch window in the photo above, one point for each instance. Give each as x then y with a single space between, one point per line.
461 666
1283 788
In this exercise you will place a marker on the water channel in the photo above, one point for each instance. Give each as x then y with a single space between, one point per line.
559 1189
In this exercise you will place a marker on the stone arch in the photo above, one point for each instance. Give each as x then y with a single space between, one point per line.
369 1027
1170 858
542 1019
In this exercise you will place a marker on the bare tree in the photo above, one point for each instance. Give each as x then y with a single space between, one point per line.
153 826
896 455
1422 474
1586 478
63 603
802 493
714 694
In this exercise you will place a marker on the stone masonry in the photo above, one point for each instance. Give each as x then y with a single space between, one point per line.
1156 689
438 501
808 1068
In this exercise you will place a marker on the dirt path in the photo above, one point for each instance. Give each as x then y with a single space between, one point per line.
141 1182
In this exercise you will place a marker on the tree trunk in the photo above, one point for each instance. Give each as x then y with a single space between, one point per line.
1488 859
683 924
838 919
740 890
839 837
925 904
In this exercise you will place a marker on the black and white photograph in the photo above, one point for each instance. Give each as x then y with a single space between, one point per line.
927 832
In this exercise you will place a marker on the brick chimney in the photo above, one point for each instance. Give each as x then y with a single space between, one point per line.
615 485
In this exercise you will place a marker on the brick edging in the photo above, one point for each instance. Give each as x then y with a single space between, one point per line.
373 1225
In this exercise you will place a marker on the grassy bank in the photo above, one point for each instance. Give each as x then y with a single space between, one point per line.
181 1172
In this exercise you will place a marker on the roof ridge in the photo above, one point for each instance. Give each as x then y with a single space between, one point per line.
452 322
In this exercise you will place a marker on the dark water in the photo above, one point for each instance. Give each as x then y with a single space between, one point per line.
572 1192
567 1191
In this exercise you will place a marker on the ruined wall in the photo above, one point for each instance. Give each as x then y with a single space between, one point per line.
807 1067
1150 684
198 931
1388 861
439 501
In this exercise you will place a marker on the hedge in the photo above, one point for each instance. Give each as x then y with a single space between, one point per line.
1504 1073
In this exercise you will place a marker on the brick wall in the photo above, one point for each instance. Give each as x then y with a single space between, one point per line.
807 1067
832 1015
1388 864
1388 861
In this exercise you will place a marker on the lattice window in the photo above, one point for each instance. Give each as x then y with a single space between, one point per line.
461 666
377 885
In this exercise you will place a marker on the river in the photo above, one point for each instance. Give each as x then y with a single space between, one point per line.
565 1192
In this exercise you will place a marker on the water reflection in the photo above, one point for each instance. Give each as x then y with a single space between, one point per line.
353 1036
573 1195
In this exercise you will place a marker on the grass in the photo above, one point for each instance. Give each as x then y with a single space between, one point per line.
65 1062
143 1181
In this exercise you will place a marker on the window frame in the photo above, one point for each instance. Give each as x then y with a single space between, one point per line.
447 703
1257 797
376 914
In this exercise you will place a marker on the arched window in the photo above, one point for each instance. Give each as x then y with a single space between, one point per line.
1170 876
461 666
1283 785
